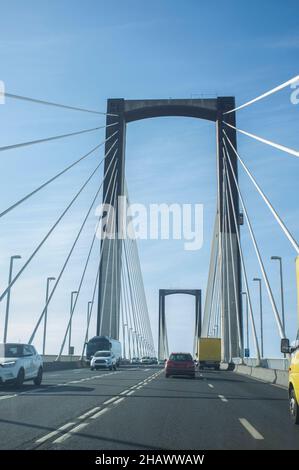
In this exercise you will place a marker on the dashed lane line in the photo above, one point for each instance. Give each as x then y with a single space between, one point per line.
251 429
88 413
119 401
99 413
45 438
211 386
111 400
70 433
222 398
94 413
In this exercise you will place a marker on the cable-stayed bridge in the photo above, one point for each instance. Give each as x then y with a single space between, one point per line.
118 301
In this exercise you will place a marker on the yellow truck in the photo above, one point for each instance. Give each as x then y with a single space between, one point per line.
293 350
209 353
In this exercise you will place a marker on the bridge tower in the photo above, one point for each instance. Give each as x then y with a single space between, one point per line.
211 109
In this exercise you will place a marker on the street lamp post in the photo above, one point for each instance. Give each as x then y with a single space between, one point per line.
278 258
73 293
124 340
12 258
247 321
89 304
49 279
257 279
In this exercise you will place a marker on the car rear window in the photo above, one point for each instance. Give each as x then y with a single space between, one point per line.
103 354
181 357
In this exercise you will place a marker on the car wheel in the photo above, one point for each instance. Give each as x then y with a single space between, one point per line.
114 367
92 368
20 378
110 368
294 409
38 379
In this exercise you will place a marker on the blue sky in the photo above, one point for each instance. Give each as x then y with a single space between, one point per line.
83 53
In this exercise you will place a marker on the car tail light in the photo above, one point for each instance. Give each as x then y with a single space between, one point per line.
169 364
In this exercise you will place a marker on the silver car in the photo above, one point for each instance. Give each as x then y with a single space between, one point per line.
103 360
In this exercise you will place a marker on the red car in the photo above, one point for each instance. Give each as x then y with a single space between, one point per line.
180 364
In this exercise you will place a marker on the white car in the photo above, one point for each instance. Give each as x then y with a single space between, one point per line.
19 363
146 360
135 360
103 360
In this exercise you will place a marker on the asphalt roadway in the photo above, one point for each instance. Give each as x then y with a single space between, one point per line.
138 408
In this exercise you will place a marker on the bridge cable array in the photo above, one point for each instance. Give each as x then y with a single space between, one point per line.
220 301
56 105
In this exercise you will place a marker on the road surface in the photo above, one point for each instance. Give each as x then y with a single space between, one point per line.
138 408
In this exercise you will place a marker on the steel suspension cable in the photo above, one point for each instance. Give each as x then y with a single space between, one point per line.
255 340
264 95
83 274
132 298
233 271
129 305
136 292
50 139
97 276
128 316
266 200
288 150
257 251
39 246
70 253
51 103
23 199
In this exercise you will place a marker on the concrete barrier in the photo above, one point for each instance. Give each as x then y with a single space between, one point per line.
64 358
274 376
64 365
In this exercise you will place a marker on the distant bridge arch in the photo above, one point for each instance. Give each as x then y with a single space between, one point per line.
163 351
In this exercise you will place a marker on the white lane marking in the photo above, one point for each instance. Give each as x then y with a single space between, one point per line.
109 401
138 388
124 392
88 413
5 397
222 398
70 433
100 413
54 433
211 386
131 393
118 401
252 431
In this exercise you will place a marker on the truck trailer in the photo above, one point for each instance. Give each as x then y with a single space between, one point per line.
209 353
